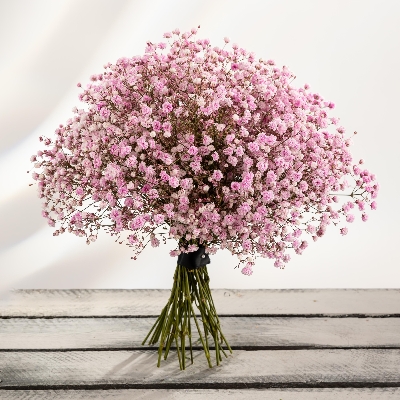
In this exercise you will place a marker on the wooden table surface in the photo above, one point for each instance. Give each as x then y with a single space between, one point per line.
288 345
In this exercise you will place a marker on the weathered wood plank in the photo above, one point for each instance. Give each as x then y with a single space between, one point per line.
100 333
228 302
246 369
193 394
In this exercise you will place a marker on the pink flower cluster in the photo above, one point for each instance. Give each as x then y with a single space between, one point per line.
204 145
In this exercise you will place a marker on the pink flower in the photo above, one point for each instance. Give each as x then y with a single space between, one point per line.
229 219
142 143
235 185
240 160
262 165
186 183
167 127
131 161
193 150
317 182
123 191
77 217
167 107
133 239
192 247
104 112
173 181
303 186
207 140
364 217
159 218
115 214
157 126
247 270
270 140
124 150
164 176
361 205
217 175
268 196
253 146
146 111
184 200
247 245
153 194
168 207
280 162
146 188
195 166
232 160
128 202
137 222
154 241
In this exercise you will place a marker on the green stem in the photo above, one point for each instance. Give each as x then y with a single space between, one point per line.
174 322
154 326
187 303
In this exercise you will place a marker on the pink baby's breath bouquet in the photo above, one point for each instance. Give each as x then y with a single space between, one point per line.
207 146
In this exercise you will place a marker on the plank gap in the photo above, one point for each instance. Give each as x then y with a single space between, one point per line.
199 348
211 385
219 315
198 394
365 302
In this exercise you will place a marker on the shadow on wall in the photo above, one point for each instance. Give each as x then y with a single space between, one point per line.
84 266
42 81
20 218
103 264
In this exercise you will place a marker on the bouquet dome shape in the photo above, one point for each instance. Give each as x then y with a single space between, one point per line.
205 145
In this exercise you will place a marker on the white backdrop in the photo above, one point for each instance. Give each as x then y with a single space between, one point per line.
347 50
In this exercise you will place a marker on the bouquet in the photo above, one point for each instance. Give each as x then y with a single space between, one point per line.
207 146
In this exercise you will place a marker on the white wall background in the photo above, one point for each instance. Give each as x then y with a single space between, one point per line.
347 50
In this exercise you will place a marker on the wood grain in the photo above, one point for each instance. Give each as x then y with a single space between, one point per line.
246 369
78 303
193 394
120 333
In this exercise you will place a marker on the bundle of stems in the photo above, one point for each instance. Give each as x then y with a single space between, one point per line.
173 326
